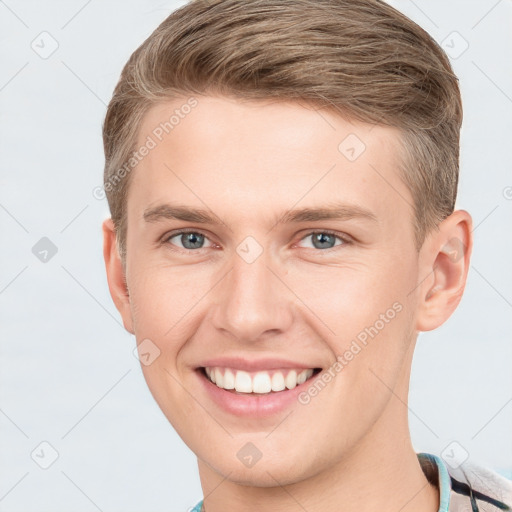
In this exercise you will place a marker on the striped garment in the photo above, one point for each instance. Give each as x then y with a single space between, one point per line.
468 488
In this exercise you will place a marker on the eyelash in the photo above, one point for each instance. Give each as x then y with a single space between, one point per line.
345 239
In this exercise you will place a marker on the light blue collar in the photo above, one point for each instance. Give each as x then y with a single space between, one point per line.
444 481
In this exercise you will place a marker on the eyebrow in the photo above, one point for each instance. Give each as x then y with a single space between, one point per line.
333 211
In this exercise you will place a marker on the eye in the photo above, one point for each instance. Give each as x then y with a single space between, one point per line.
190 240
324 239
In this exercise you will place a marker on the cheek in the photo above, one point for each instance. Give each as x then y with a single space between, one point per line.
164 299
347 298
363 312
162 328
162 303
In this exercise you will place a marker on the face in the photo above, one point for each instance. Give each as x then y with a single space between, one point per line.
263 240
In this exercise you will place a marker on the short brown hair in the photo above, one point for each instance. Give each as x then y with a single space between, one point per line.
362 59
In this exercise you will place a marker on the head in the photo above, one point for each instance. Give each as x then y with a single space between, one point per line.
264 115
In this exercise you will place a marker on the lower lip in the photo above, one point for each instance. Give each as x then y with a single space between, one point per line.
252 404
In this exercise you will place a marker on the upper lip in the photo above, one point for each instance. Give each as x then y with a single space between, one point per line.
253 365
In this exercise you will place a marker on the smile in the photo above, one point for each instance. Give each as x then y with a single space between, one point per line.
261 382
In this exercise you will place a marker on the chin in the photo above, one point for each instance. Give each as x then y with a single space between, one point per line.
272 471
261 475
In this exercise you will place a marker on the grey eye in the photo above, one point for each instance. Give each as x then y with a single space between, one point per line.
323 240
189 240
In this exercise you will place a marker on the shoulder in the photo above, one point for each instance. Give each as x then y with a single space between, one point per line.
486 490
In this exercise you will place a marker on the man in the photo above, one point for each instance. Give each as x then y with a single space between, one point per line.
282 178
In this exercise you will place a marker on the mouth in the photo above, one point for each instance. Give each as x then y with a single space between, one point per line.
259 383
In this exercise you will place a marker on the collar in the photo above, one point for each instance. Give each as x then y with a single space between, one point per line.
437 474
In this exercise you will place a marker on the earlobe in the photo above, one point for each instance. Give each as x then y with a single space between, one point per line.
116 275
445 261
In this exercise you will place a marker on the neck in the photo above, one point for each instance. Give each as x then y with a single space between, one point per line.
387 481
381 473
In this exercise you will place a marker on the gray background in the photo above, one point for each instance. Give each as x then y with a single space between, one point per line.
68 375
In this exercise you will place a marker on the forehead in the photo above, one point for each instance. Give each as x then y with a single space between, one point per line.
247 155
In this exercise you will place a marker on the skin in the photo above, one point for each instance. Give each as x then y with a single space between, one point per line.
249 163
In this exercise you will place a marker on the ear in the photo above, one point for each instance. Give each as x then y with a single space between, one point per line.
116 275
444 259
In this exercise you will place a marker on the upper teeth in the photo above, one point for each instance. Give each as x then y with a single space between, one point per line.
258 382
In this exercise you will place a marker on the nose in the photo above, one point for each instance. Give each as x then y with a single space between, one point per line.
252 302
